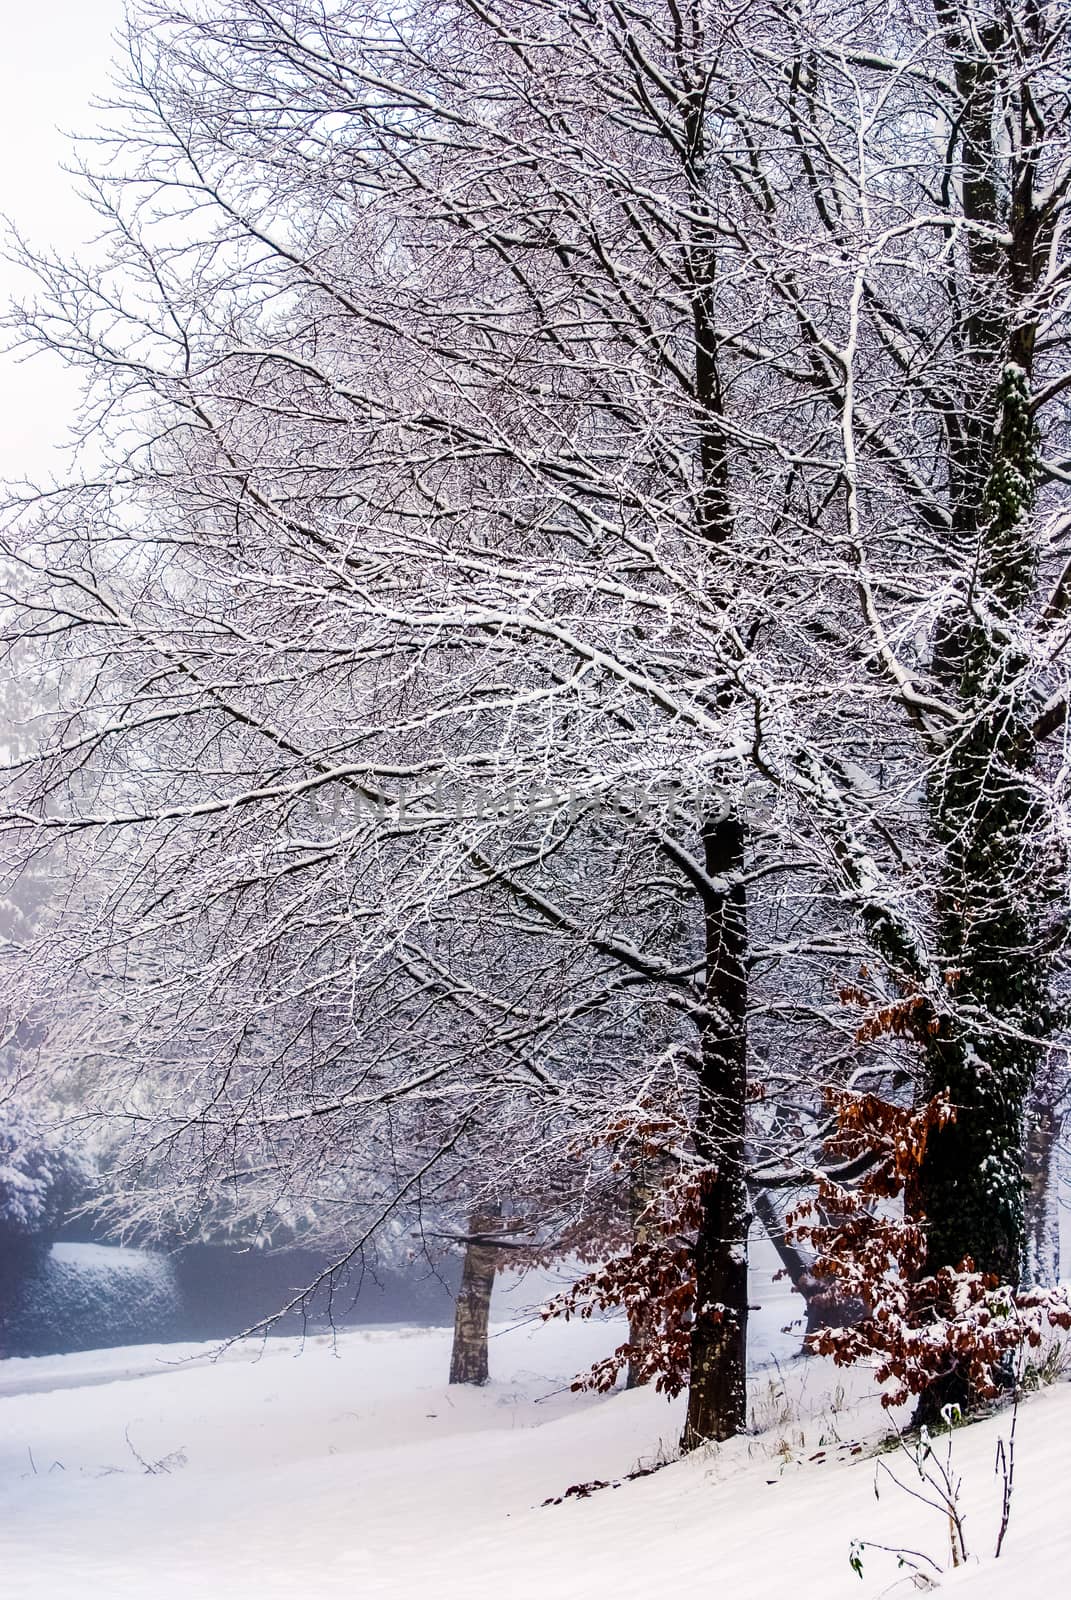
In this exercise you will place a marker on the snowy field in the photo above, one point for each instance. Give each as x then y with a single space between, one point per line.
349 1468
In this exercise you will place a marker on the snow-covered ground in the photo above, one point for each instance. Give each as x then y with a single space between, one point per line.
349 1468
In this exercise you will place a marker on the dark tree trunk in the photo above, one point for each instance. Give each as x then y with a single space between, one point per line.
717 1394
468 1359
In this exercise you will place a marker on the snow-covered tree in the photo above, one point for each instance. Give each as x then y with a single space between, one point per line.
565 596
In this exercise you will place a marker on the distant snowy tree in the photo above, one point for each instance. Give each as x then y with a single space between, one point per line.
42 1176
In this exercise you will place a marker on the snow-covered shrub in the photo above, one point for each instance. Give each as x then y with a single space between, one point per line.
88 1297
925 1333
41 1177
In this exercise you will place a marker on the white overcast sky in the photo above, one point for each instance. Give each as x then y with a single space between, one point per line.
55 60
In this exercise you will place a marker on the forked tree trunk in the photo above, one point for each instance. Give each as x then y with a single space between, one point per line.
717 1393
468 1358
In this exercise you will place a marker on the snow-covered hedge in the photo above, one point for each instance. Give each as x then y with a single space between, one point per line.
87 1297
